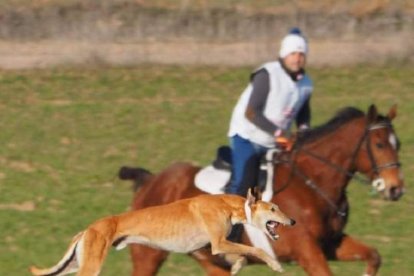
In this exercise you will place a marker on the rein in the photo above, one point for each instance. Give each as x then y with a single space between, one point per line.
309 182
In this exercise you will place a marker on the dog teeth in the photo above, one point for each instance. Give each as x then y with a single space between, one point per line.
272 224
271 228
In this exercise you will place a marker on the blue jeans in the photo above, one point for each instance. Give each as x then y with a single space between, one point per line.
245 164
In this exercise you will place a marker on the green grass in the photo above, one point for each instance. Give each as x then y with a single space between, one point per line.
65 132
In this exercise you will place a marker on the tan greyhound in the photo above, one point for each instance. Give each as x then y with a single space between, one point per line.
182 226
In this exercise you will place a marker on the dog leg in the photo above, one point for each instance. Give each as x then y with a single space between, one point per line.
222 245
236 261
95 249
238 265
212 265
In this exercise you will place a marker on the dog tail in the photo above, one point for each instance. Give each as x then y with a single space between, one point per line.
138 175
68 264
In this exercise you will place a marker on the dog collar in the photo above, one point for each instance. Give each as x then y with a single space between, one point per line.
248 212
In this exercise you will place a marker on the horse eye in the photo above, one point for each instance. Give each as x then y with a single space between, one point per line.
380 145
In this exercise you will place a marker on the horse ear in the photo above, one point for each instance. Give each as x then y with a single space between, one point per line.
393 112
372 114
250 198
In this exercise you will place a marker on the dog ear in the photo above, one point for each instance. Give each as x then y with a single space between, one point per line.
257 193
250 198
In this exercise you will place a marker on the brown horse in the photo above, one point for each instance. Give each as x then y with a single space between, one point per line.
309 187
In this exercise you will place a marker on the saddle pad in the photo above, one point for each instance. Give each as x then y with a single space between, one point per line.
212 180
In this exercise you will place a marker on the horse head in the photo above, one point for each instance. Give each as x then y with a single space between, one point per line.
377 154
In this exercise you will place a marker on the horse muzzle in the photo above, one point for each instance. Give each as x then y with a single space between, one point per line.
390 191
394 193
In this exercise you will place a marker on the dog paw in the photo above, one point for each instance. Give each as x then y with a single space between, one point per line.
276 266
238 265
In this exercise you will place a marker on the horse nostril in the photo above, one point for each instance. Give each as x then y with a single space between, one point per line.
395 193
292 222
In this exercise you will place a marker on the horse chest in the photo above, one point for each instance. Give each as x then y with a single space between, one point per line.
326 222
337 222
322 222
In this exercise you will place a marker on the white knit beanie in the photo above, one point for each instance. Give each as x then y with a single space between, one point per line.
293 43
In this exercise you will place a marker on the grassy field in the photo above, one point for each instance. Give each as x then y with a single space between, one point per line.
65 132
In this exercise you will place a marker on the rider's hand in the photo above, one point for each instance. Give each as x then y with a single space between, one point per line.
282 141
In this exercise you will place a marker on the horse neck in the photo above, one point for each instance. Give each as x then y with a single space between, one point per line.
338 149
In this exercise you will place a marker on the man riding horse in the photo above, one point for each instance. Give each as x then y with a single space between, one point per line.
278 93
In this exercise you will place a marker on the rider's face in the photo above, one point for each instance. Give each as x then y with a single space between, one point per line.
295 61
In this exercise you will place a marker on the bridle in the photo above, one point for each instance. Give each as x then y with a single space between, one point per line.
378 182
375 167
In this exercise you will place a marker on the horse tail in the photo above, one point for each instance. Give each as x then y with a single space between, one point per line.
68 264
138 175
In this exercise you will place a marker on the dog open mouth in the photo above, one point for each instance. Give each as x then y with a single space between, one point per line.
271 226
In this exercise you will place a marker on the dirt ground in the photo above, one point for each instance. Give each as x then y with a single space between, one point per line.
50 33
50 53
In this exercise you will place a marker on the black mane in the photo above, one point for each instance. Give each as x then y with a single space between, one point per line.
342 116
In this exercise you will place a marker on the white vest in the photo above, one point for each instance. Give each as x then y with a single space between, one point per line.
284 101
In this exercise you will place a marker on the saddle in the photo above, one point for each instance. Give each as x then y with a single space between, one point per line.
214 177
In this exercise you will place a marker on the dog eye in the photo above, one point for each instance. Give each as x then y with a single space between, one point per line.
273 209
380 145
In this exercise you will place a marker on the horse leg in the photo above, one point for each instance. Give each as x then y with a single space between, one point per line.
311 257
350 249
146 261
212 265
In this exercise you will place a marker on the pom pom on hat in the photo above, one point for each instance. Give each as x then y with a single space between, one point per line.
295 30
293 42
